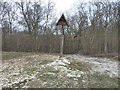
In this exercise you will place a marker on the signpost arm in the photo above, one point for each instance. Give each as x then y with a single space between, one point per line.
62 42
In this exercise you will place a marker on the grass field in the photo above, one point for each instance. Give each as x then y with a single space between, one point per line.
38 70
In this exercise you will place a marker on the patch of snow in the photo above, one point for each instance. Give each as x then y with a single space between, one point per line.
83 81
61 65
15 74
61 68
82 72
102 65
44 83
51 73
73 75
76 79
59 62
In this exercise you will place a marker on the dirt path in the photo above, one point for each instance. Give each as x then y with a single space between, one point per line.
50 71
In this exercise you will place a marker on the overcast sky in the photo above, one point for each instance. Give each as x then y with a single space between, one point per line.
62 5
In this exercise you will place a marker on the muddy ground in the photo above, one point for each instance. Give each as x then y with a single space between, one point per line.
48 70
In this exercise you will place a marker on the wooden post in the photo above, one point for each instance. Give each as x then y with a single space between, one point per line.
62 21
62 42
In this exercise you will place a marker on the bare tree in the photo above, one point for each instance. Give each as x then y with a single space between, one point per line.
32 18
48 14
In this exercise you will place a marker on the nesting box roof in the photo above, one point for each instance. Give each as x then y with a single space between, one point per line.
62 21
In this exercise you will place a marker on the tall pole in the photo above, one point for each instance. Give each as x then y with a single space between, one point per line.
62 42
62 21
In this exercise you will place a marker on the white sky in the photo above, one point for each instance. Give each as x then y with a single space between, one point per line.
64 5
61 5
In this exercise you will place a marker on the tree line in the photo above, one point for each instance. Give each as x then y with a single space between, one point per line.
31 27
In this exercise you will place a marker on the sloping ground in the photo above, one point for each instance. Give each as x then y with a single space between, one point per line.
45 70
101 65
